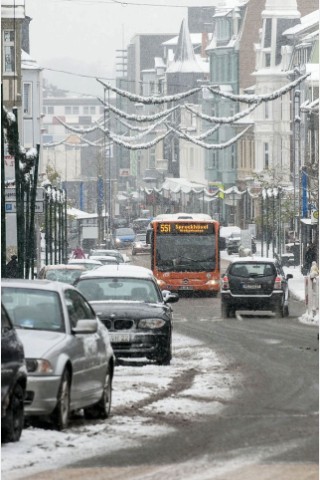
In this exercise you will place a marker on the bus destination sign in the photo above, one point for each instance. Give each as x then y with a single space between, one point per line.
185 228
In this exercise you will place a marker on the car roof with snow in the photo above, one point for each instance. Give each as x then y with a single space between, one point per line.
82 261
253 259
120 270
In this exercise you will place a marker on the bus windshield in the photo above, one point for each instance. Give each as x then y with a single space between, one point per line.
185 253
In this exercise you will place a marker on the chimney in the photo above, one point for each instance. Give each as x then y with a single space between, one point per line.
204 44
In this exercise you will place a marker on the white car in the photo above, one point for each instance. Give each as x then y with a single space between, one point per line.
88 263
69 358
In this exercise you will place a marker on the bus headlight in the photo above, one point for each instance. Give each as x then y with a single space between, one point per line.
213 283
161 283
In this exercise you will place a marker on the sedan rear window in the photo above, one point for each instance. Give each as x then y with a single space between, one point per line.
252 269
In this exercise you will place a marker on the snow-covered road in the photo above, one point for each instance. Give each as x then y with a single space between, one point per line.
146 398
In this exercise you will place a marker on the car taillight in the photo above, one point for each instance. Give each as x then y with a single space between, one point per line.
277 283
225 283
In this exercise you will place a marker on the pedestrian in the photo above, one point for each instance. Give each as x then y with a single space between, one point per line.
78 253
12 267
310 256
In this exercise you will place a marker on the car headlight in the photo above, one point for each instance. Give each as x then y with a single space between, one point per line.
118 240
151 323
38 365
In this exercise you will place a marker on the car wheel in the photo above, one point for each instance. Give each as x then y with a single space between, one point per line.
60 416
229 252
166 356
286 311
280 310
12 424
133 252
103 407
224 310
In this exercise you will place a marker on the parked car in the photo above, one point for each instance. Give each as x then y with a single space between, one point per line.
13 381
255 283
124 237
233 243
61 272
140 244
87 263
129 302
121 257
105 259
70 361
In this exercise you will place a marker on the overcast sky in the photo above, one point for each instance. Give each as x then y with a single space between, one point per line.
82 36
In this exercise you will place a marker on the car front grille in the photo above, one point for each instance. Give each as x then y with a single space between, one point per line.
118 323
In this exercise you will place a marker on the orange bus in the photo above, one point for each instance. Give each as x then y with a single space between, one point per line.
185 253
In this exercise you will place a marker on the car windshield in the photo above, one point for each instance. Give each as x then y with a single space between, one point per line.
251 269
187 253
119 289
33 309
61 275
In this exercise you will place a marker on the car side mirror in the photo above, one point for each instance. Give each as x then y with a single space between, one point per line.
85 326
289 275
170 297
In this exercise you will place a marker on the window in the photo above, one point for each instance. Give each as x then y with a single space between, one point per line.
222 29
92 110
50 110
266 155
266 110
9 51
75 110
67 110
27 99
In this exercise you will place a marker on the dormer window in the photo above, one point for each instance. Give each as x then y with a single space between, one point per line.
223 30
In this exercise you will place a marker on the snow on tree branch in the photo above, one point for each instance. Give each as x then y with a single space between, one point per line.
152 100
212 146
224 120
138 118
260 98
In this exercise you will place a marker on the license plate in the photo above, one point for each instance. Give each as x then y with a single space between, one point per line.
185 288
121 337
252 287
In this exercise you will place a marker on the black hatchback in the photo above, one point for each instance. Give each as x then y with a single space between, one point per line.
255 283
13 381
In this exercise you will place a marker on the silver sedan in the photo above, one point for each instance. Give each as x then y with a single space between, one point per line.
69 357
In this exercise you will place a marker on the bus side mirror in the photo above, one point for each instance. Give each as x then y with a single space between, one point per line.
222 243
148 237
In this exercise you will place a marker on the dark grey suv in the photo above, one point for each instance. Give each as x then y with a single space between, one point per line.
255 283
